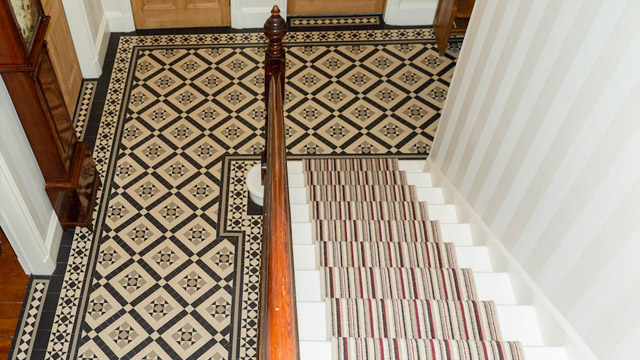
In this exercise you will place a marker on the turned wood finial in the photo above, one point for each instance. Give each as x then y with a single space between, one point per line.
275 29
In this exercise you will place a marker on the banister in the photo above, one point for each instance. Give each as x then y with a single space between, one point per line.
278 324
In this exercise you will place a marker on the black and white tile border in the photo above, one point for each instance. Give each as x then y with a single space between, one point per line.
325 21
26 331
64 332
83 108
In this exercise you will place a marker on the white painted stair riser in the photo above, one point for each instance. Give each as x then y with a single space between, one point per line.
321 350
518 322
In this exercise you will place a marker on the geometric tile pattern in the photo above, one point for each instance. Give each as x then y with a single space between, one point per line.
236 220
315 21
84 106
171 269
30 320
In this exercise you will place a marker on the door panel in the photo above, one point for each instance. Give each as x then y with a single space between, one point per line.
63 54
155 14
316 7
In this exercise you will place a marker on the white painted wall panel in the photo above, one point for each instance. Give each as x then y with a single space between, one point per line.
541 134
26 215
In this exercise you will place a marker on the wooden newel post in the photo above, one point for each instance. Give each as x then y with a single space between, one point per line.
274 29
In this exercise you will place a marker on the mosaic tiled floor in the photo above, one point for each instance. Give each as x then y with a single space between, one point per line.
171 270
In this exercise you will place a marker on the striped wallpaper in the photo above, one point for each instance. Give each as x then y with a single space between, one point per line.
541 134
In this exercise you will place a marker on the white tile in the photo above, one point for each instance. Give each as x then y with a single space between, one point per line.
304 257
312 321
459 234
308 285
494 286
294 166
444 213
432 195
300 213
422 179
296 180
412 165
297 195
474 257
545 353
519 323
302 233
315 350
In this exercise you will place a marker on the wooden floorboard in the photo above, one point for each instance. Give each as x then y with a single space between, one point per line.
5 347
13 286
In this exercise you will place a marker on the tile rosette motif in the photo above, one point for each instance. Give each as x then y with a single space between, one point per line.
158 251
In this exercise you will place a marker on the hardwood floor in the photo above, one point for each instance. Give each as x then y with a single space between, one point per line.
13 285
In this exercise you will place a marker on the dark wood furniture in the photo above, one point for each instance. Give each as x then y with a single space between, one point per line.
278 324
452 18
13 286
71 179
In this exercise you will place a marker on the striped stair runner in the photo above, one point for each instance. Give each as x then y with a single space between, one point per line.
392 286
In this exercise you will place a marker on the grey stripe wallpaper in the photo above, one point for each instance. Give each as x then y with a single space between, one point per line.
541 134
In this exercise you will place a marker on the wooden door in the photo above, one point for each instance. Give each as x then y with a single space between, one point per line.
63 54
317 7
159 14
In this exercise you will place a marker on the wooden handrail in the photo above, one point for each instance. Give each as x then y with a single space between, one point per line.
278 327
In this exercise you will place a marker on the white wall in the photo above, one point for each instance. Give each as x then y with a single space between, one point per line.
410 12
26 215
120 15
541 134
245 14
249 14
90 33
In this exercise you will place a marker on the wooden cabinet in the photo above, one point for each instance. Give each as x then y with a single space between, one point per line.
71 179
452 18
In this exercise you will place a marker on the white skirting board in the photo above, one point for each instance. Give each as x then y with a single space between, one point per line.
554 327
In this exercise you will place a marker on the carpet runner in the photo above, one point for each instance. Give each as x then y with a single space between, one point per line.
392 287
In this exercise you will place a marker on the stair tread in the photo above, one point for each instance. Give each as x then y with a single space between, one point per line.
369 210
415 319
350 164
398 283
369 177
376 230
387 254
327 193
414 349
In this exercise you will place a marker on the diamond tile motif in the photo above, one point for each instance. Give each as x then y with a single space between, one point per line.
28 324
85 101
172 268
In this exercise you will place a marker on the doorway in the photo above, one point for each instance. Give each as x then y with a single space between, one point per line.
162 14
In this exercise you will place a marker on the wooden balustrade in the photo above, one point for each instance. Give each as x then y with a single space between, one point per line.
278 327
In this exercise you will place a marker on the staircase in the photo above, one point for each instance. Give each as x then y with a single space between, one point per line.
385 271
